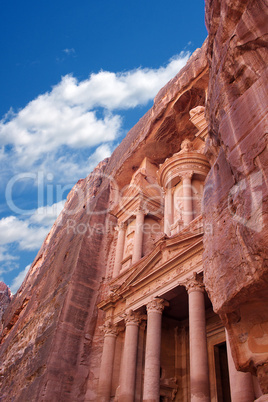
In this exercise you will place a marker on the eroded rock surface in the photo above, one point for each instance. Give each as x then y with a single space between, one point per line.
235 201
5 299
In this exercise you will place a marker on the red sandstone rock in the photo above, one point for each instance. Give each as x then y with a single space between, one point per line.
5 299
235 201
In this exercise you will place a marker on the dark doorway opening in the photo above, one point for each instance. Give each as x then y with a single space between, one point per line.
222 373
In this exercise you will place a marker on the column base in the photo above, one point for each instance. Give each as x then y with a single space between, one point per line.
203 398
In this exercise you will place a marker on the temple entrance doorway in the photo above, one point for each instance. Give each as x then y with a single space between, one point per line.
222 373
175 350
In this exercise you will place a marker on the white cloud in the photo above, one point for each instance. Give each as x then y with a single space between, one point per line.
70 51
4 256
102 152
17 281
29 233
43 126
118 90
28 237
69 117
8 261
66 132
17 235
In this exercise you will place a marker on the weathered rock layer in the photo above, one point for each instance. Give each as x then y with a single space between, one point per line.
235 202
5 299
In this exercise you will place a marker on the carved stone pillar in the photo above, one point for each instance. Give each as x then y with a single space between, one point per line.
140 360
138 237
199 374
241 384
119 249
128 372
187 197
106 368
151 388
168 219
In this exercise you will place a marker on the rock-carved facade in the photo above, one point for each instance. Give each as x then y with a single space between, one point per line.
179 352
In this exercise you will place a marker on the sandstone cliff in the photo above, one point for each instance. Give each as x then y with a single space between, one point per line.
5 299
235 201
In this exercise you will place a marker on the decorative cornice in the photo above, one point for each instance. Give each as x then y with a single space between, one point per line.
127 208
156 305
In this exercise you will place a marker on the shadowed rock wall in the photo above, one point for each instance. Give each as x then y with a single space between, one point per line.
235 200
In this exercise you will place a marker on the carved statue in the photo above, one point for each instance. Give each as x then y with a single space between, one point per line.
186 146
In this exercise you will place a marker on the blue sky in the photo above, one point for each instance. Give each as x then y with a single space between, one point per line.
75 77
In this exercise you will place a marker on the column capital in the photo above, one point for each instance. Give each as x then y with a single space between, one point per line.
187 175
169 190
194 284
121 226
132 318
109 328
156 305
141 211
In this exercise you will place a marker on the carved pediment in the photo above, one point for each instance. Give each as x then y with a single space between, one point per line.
167 254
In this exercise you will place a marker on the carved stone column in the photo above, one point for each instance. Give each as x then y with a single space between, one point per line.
187 197
128 372
138 236
119 248
168 219
241 384
199 374
106 368
151 388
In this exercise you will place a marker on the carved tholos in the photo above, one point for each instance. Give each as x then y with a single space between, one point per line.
178 175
